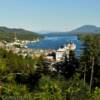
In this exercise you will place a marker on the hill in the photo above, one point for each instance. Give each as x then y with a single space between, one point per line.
86 29
8 34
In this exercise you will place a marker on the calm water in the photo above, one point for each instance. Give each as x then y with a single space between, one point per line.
55 42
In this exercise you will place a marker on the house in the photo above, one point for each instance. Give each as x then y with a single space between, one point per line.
60 54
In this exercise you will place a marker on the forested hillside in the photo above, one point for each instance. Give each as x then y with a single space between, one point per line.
8 34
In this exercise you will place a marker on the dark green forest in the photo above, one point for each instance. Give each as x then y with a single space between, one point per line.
8 34
74 78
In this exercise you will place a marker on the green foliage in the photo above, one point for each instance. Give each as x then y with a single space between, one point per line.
12 63
90 58
16 92
3 66
96 94
76 90
14 89
48 89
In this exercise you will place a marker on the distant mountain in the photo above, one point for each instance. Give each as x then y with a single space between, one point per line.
8 34
81 30
86 29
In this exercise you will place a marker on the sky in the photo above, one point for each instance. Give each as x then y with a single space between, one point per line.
49 15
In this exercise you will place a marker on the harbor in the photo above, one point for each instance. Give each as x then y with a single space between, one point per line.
54 51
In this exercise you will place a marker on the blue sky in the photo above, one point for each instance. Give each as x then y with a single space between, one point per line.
49 15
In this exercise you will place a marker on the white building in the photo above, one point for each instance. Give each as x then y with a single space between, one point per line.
71 46
61 52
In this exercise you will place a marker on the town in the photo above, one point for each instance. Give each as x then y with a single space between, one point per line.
19 47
